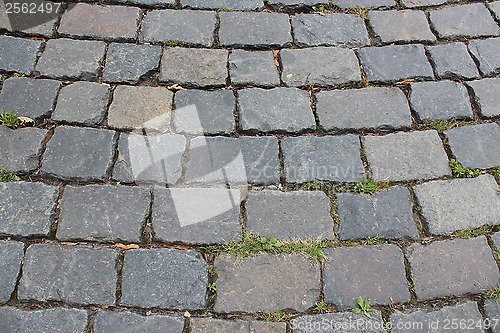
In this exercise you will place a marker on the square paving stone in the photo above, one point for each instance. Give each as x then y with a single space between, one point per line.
224 4
253 69
101 22
477 146
28 208
492 311
401 26
10 22
82 103
79 153
406 156
185 26
324 66
29 98
486 96
452 61
348 4
486 53
371 108
205 325
196 215
440 100
43 321
18 54
21 148
154 158
124 321
452 268
69 59
11 255
275 110
178 277
298 215
334 29
103 213
129 63
255 29
310 158
471 20
266 282
148 108
395 63
387 214
198 112
69 274
338 322
233 161
194 67
373 272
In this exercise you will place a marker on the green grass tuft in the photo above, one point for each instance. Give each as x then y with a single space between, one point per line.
469 233
8 176
369 187
10 119
461 172
275 316
492 293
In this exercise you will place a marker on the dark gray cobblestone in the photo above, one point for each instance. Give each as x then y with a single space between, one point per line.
253 68
148 3
401 26
11 255
21 148
44 29
341 322
452 61
224 4
204 325
123 321
59 320
486 52
496 239
18 54
492 310
347 4
486 96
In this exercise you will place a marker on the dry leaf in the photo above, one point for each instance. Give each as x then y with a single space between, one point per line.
178 247
176 87
26 120
126 247
36 38
187 314
276 60
405 81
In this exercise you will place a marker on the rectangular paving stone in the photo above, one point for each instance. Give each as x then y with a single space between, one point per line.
178 277
372 272
341 322
486 96
401 26
297 215
470 20
11 255
70 59
323 66
373 108
452 61
43 321
347 4
394 63
79 153
28 208
310 158
335 29
267 327
18 54
255 68
255 29
223 4
69 274
185 26
101 22
148 3
42 25
192 68
424 3
486 53
21 148
452 267
246 285
113 321
492 311
202 325
440 100
275 110
406 156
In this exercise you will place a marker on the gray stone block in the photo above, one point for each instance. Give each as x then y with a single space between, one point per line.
245 285
148 3
486 96
372 272
113 321
253 69
223 4
69 274
267 327
201 325
21 148
401 26
424 3
492 310
11 255
339 322
452 268
294 3
452 61
348 4
178 277
496 240
57 320
495 7
486 53
28 208
323 66
406 156
18 54
44 28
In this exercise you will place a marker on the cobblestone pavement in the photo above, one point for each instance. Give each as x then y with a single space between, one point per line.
249 166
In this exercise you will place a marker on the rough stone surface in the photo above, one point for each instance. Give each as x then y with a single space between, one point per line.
371 108
450 205
69 59
266 282
406 156
202 325
18 54
149 3
21 148
347 4
496 239
69 274
486 52
495 7
79 153
334 29
194 67
178 277
373 272
298 215
452 267
323 66
186 26
44 28
112 321
29 98
267 327
492 310
27 209
279 109
387 214
423 3
262 29
471 20
486 96
225 4
338 322
253 69
401 26
395 63
11 254
57 320
440 100
452 61
82 103
322 158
